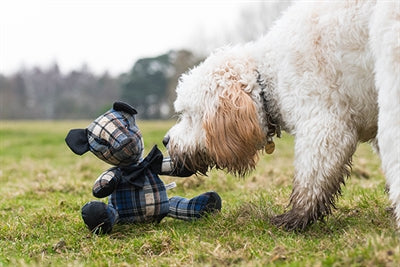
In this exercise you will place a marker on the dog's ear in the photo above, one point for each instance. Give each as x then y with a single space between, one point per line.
233 134
77 141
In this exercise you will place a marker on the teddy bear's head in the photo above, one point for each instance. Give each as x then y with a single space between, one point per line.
113 137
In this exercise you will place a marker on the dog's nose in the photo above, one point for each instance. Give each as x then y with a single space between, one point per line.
165 140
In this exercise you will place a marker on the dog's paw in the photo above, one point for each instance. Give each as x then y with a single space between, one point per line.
292 221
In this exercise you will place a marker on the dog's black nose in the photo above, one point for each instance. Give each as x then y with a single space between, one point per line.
165 140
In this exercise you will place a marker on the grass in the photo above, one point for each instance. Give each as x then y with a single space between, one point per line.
44 185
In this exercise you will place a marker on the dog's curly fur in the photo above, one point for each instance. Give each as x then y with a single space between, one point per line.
328 73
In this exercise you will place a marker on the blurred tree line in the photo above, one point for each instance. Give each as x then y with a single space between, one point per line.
49 94
149 86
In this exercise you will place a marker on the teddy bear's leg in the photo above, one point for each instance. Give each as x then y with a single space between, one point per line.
99 217
195 208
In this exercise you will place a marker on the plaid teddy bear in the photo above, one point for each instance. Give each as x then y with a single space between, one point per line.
136 192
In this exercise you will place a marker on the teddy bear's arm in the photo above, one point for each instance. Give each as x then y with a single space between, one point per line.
106 183
168 168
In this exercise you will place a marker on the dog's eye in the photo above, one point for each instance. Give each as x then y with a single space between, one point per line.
178 116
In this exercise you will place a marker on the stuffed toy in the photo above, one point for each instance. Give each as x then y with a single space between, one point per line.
136 192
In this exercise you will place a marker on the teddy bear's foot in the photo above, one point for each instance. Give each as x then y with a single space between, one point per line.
195 208
99 217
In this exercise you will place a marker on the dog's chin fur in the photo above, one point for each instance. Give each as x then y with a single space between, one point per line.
196 160
234 158
331 79
235 152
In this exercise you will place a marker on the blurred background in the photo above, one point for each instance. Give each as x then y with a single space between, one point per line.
70 59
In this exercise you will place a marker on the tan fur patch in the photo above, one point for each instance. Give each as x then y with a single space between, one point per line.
233 134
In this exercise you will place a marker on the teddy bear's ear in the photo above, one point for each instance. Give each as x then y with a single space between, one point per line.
121 106
77 141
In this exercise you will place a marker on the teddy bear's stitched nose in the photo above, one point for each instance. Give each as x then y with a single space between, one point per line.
165 140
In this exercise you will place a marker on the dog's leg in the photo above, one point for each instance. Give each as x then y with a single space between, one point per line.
385 32
389 142
323 152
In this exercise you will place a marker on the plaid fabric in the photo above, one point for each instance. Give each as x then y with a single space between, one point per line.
168 168
195 208
135 204
106 183
115 138
112 214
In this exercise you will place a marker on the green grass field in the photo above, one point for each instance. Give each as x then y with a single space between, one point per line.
44 185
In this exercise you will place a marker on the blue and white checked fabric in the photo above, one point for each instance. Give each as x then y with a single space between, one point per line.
133 204
115 138
106 183
195 208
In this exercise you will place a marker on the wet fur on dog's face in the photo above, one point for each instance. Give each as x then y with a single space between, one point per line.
220 126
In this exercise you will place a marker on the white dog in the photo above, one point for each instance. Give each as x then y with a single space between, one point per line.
328 73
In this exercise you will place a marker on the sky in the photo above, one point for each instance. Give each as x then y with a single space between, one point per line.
107 35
